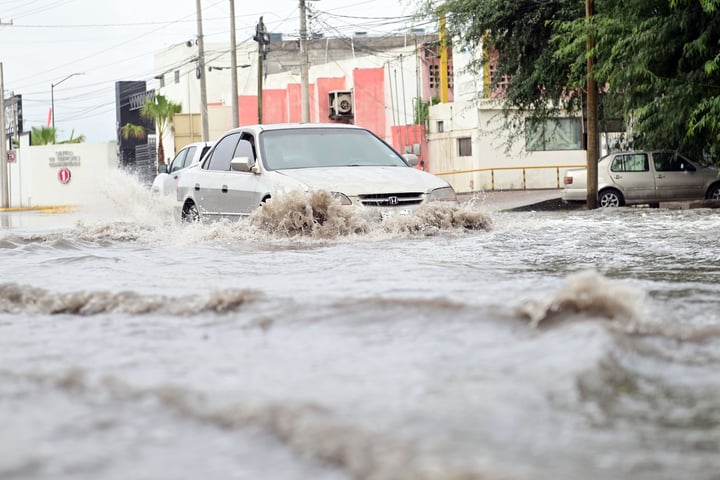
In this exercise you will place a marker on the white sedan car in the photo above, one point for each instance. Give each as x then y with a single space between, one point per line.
637 177
248 165
165 183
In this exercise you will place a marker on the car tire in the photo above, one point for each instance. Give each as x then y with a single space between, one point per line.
713 193
190 212
610 198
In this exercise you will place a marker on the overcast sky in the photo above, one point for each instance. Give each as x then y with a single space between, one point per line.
107 41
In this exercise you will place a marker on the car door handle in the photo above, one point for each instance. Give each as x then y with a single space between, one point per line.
224 189
618 177
197 187
661 176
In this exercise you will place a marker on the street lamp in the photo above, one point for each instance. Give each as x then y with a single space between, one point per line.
52 95
213 67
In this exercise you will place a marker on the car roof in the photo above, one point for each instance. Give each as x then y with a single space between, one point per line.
197 144
292 126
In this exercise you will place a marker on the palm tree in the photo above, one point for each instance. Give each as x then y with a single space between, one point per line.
43 136
130 130
161 111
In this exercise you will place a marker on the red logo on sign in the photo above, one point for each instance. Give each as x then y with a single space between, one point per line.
64 175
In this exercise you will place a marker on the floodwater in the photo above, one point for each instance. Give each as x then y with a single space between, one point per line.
455 344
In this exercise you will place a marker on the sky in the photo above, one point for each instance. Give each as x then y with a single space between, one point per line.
75 50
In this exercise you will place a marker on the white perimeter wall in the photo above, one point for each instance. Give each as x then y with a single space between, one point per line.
33 177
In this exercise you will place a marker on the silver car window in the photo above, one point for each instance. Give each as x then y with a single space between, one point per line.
669 162
630 162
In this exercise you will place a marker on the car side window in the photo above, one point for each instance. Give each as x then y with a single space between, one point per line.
670 162
630 162
222 155
177 162
189 157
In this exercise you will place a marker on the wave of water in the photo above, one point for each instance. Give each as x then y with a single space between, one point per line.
23 299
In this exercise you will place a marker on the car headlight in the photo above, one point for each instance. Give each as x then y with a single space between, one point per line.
344 200
445 194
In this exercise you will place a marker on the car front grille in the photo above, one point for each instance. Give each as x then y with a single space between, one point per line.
404 199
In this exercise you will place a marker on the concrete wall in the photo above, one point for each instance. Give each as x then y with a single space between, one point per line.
492 166
35 178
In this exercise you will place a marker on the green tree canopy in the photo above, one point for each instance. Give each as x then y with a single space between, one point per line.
657 62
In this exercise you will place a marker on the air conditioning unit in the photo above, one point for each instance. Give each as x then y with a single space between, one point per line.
340 104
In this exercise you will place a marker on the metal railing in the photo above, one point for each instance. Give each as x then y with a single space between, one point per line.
524 170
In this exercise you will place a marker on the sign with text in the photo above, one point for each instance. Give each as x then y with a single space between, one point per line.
64 158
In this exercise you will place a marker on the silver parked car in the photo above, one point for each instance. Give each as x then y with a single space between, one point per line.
165 183
248 165
629 178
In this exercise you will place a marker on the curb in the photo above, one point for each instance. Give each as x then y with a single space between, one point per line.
41 209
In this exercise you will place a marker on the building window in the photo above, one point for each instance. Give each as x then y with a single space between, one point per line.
161 80
553 134
177 76
434 76
464 147
440 126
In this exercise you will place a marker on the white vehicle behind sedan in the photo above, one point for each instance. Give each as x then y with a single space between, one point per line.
165 183
249 165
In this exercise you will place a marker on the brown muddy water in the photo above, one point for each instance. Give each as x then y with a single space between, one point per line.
458 343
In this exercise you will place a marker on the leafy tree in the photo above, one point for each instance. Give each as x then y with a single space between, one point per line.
660 61
656 61
527 68
161 111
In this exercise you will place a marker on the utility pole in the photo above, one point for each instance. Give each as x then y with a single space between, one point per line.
4 184
263 39
592 123
304 94
233 67
200 73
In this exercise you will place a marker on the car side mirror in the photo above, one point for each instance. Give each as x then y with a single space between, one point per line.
690 168
411 158
241 164
162 168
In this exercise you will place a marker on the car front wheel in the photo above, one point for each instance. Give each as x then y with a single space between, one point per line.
611 198
190 213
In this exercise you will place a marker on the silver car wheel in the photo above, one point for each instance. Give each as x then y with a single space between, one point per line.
714 193
610 198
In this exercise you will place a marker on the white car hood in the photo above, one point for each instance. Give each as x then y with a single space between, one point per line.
353 181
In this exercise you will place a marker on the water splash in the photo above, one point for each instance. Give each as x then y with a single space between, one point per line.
589 292
318 214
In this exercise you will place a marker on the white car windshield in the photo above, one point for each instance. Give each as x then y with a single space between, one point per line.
325 147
